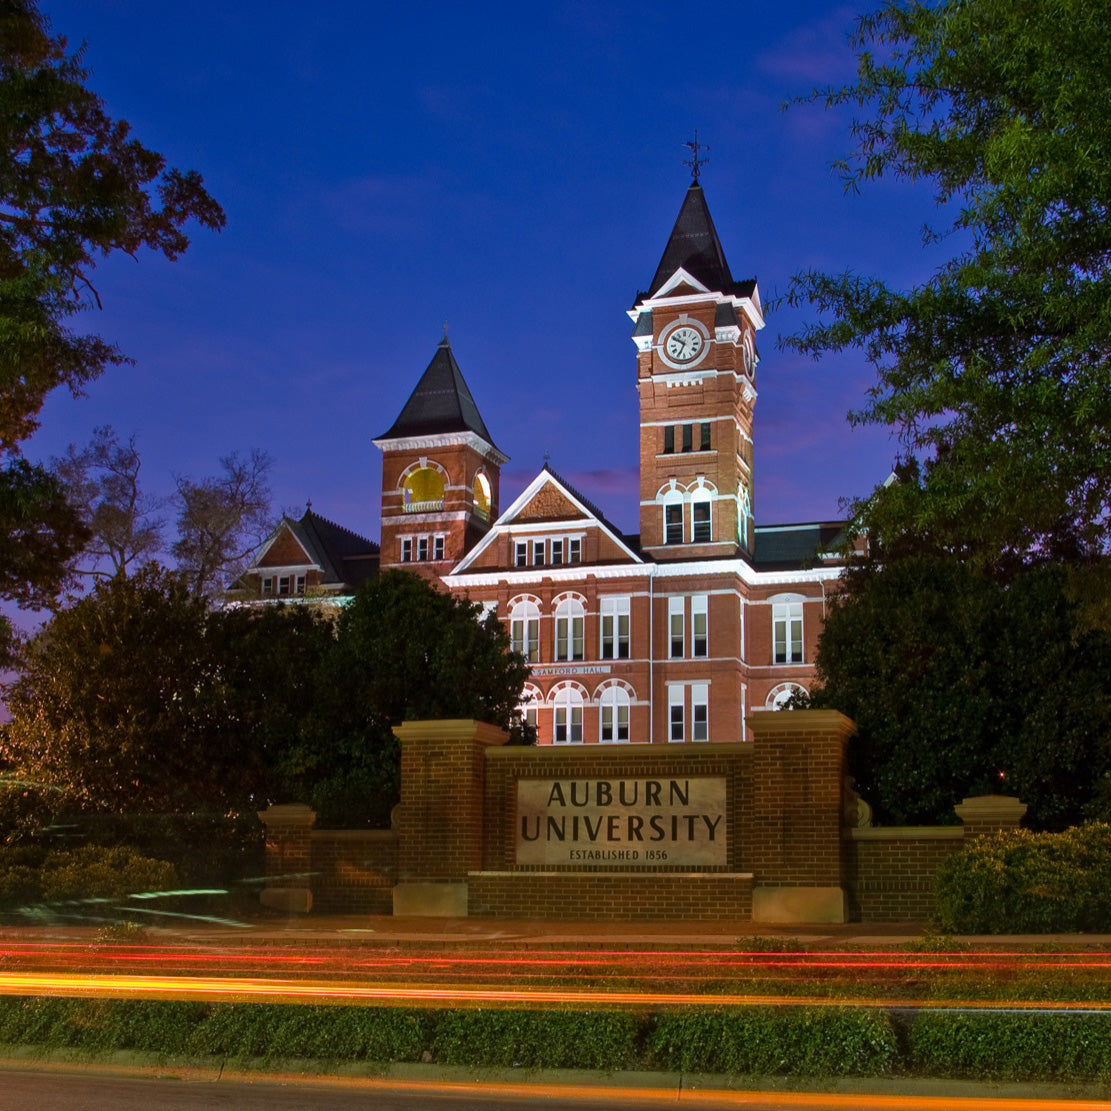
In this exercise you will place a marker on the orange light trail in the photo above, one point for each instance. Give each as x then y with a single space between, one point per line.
243 989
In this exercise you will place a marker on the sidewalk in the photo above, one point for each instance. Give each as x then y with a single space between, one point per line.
392 932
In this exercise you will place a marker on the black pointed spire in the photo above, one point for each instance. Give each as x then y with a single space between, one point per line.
694 246
441 403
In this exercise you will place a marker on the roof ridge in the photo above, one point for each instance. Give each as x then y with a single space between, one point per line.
585 501
342 528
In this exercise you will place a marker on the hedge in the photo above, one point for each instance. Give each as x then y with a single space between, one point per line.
1022 882
755 1041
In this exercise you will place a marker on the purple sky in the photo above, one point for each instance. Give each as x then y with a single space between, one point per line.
511 169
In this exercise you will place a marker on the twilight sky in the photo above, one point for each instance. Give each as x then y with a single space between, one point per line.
513 170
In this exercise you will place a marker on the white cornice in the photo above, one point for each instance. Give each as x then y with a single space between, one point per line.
661 571
446 439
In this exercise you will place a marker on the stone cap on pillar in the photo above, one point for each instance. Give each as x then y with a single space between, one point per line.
797 722
291 814
451 729
991 810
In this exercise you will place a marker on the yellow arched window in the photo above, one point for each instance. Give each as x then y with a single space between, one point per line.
482 495
424 491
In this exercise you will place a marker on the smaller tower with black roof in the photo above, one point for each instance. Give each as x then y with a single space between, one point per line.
440 473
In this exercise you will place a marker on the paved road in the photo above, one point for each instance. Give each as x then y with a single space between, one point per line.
73 1090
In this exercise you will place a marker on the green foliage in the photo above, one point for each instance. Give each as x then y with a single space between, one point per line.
996 372
75 185
1019 882
775 1041
32 874
138 698
961 685
39 535
741 1042
535 1039
403 651
93 872
1011 1047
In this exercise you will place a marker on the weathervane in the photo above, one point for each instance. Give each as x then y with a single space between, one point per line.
694 161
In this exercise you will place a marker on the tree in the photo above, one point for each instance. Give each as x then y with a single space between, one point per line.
403 651
996 371
222 520
962 685
102 482
75 186
39 534
140 699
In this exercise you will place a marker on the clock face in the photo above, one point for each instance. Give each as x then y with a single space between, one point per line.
684 344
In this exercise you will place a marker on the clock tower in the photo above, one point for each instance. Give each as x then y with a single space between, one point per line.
695 333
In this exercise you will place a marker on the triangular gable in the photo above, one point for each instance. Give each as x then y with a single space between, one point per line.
548 498
284 549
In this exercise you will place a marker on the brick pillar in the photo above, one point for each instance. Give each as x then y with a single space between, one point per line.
439 820
989 814
288 857
794 842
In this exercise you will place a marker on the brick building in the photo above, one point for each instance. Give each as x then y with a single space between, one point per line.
678 634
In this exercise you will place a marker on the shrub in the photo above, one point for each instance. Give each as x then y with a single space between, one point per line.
768 1041
1022 882
1011 1047
94 872
535 1039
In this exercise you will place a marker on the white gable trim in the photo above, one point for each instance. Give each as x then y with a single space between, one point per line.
502 525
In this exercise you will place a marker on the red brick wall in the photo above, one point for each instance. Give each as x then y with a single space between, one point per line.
354 871
890 872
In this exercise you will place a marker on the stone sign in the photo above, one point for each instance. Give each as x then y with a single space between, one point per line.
645 822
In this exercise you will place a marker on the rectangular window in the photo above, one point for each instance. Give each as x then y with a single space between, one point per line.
422 548
407 550
787 632
675 696
701 519
570 638
574 550
700 711
669 439
538 553
675 628
520 557
283 585
267 586
557 552
673 524
615 723
568 725
524 637
700 640
705 443
438 547
615 628
688 437
300 584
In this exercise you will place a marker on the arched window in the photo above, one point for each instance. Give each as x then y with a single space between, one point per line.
524 628
567 714
613 714
529 706
672 499
702 504
779 696
481 492
423 489
570 628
